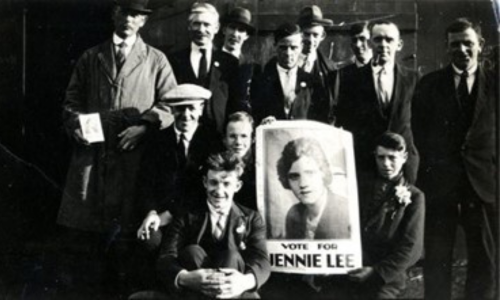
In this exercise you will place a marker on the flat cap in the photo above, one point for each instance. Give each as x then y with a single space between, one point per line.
185 94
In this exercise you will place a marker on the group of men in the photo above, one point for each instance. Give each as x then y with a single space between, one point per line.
163 118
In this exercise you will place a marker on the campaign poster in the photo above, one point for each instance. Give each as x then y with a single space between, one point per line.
307 193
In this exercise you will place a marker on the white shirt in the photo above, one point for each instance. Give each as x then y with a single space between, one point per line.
470 77
129 42
195 57
216 214
288 80
188 136
387 79
307 61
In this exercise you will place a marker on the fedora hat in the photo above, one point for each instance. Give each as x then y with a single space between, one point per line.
241 16
312 15
135 5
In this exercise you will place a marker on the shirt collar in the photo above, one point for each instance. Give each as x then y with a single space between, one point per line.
389 67
188 136
471 70
287 71
197 48
129 41
360 64
216 212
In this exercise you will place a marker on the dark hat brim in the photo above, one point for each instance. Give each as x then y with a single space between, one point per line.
136 8
314 22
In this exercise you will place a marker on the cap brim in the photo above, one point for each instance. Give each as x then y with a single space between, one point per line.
177 102
322 22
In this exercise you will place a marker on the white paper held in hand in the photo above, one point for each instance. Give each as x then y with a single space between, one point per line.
91 128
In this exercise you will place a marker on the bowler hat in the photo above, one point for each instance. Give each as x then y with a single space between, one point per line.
187 93
241 16
135 5
312 15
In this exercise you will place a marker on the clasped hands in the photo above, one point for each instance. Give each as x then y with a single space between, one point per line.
217 283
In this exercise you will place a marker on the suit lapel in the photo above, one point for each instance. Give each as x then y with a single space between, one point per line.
481 94
219 108
236 220
275 83
201 221
107 60
400 84
135 58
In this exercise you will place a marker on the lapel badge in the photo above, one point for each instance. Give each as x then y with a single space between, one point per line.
303 84
216 64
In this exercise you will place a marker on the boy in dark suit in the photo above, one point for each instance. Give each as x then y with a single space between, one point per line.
221 250
283 91
392 222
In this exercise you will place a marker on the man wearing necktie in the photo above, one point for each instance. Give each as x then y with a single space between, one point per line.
170 171
284 91
220 251
124 81
210 68
379 100
312 60
454 125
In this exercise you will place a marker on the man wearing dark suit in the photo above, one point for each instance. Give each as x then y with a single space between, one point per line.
221 250
201 64
237 28
392 222
454 126
283 91
170 170
312 61
379 100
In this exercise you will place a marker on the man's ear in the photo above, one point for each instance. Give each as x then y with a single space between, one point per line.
217 28
205 183
400 44
481 44
405 155
239 185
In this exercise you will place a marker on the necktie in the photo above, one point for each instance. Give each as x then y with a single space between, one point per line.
462 90
120 55
382 89
202 70
181 151
219 228
289 92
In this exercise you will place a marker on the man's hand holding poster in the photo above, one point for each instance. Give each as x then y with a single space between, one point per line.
308 195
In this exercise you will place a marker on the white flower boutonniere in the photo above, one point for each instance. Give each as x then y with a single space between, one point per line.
216 64
403 195
241 228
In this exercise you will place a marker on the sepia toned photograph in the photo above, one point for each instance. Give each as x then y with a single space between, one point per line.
202 149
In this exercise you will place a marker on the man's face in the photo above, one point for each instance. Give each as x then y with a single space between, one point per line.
238 137
389 162
187 116
221 187
385 42
306 180
234 36
359 45
288 50
312 37
464 48
127 22
203 27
